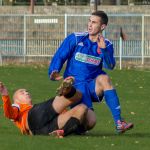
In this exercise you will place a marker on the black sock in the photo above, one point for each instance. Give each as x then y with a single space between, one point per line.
81 130
71 126
71 93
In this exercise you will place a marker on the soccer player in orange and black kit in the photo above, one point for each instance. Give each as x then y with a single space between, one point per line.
45 118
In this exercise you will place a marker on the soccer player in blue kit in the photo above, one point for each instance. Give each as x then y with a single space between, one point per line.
86 54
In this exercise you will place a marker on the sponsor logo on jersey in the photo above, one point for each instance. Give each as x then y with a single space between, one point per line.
87 58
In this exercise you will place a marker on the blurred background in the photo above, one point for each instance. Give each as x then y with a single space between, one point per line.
75 2
32 30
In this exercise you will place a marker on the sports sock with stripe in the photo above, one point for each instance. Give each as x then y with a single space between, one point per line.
112 101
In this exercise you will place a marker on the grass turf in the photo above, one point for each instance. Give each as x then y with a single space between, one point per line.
133 90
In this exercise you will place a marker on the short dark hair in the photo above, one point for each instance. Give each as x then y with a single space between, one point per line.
102 15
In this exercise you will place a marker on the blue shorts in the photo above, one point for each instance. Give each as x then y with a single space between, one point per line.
88 93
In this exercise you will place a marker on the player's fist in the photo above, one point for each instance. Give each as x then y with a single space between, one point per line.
3 89
55 76
101 41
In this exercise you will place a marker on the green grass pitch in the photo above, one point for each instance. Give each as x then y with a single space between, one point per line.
133 88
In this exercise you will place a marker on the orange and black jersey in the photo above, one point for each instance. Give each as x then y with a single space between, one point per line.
18 113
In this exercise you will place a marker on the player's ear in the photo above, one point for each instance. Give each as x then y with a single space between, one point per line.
103 26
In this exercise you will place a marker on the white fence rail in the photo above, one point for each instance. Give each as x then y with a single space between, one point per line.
35 38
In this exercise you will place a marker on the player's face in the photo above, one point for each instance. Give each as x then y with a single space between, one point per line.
22 96
94 25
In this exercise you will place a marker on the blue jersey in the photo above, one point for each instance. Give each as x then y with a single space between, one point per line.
84 59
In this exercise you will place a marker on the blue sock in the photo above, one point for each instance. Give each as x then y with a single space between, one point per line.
112 101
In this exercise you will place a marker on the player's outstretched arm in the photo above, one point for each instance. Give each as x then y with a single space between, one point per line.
9 111
3 89
62 54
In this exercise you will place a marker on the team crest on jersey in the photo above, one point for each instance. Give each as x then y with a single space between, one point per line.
99 51
87 58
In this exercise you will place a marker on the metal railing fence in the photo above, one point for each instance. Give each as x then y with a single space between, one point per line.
35 38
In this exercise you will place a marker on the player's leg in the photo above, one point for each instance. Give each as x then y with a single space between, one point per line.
72 119
63 124
88 123
61 102
104 86
90 119
68 95
44 112
42 117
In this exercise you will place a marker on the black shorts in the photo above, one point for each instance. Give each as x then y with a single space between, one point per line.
42 118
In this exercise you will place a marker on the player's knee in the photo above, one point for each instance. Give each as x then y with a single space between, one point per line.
81 108
91 123
79 111
91 119
104 81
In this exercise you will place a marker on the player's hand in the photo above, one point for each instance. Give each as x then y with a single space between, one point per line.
55 76
3 89
101 41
